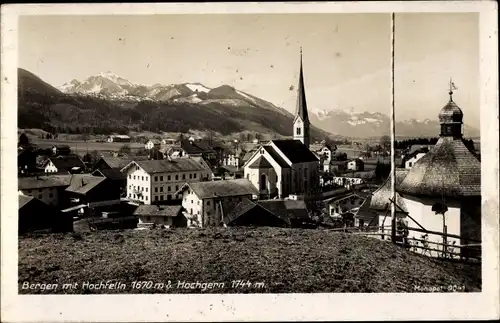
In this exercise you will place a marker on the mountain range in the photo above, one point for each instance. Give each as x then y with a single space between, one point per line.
109 103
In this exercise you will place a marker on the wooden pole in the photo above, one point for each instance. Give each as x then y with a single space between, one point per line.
393 132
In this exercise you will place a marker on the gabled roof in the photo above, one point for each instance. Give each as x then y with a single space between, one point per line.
35 182
365 213
261 163
24 199
66 163
276 156
222 188
158 210
449 169
113 174
167 166
196 147
120 162
83 183
241 208
295 151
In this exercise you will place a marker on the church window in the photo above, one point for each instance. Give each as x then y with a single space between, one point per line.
298 130
263 182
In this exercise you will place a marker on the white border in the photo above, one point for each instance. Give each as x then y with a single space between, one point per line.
283 307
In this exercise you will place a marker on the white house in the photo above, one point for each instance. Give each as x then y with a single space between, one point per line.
410 159
152 143
118 138
356 165
348 202
154 181
202 201
68 164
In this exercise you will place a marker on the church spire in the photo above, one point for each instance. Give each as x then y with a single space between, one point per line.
301 110
301 122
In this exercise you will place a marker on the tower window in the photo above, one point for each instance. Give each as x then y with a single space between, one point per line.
299 131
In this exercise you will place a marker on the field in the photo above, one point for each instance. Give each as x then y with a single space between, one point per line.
271 260
80 146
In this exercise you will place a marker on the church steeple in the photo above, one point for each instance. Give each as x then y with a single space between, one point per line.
301 122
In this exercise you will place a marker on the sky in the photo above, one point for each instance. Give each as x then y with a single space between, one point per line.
346 57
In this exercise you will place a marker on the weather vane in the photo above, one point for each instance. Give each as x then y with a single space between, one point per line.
452 87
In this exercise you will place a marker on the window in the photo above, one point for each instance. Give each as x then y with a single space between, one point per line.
262 151
134 176
130 187
146 189
156 189
198 202
169 197
298 131
263 183
176 177
142 189
191 211
136 167
161 178
156 178
192 202
208 202
168 177
183 176
130 176
176 187
142 178
208 213
161 197
276 178
147 178
146 198
168 188
161 188
194 176
156 197
248 176
190 176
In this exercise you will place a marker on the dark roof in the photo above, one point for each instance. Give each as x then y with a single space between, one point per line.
347 194
23 200
276 156
301 110
231 187
66 163
113 174
165 165
295 151
413 154
196 146
120 162
158 210
450 113
286 209
261 162
83 183
35 182
448 169
241 208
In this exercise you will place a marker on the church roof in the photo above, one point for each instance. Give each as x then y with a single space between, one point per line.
295 151
449 169
276 156
450 112
380 198
301 95
261 162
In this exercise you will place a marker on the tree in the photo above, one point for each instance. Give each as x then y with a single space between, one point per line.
125 149
24 140
385 142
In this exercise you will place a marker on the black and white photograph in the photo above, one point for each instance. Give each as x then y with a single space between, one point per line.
233 153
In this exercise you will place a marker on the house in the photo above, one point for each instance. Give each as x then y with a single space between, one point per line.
410 159
326 151
208 176
35 215
62 150
365 217
64 164
86 188
201 200
168 141
350 201
356 165
48 189
152 143
156 181
251 213
118 138
442 191
26 161
198 148
114 175
234 157
163 215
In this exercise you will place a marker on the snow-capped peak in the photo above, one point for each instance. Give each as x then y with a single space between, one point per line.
115 78
197 87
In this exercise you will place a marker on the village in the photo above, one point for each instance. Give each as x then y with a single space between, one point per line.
197 182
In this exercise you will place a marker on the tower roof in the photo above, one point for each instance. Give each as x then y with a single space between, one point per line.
301 110
451 113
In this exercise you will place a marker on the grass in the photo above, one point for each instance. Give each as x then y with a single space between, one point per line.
285 260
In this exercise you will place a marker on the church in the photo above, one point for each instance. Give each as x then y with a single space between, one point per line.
283 167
